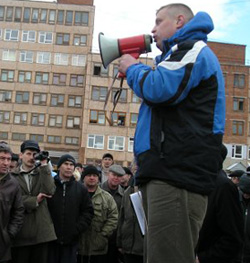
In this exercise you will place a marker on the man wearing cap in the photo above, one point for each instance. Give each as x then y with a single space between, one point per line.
37 185
112 185
107 161
93 245
11 205
71 211
235 176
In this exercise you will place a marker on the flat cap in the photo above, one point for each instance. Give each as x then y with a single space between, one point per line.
236 173
117 169
30 145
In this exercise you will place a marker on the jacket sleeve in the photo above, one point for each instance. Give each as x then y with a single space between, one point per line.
17 215
47 182
112 218
86 211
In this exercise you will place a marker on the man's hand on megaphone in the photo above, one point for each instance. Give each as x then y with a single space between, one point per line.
126 61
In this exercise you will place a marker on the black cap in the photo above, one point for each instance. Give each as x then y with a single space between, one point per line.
127 171
90 169
30 145
108 155
236 173
66 158
244 183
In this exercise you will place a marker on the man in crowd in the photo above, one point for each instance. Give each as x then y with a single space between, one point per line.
11 205
71 211
93 245
37 185
107 161
235 176
179 131
127 178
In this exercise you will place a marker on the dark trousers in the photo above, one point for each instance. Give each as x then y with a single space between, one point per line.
131 258
30 254
62 253
92 259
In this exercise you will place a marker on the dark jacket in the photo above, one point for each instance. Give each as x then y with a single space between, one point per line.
129 236
11 214
38 226
221 235
71 210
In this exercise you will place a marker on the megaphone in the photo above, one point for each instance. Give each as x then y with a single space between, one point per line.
111 49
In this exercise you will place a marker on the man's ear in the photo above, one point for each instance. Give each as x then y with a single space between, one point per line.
180 21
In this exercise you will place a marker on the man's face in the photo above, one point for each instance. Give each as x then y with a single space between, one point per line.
27 158
107 162
246 196
114 180
13 165
79 169
125 179
66 170
165 27
5 160
235 180
91 180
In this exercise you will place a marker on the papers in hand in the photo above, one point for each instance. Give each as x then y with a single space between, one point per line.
136 200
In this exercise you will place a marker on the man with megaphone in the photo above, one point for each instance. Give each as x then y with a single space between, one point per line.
179 131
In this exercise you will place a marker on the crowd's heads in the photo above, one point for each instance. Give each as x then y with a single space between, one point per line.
29 145
66 158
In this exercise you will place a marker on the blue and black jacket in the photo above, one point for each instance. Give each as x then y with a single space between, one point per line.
182 117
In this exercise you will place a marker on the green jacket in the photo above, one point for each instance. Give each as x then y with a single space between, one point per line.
38 226
95 240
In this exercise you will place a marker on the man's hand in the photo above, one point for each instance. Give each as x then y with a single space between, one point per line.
126 61
41 197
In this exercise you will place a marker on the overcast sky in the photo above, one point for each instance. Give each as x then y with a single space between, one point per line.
118 19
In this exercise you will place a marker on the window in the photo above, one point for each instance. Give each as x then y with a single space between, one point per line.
78 60
99 93
40 98
2 10
239 80
18 136
37 119
43 16
73 122
116 143
123 96
52 16
4 116
54 139
26 15
69 17
20 118
80 40
72 140
45 37
237 151
43 58
11 35
238 127
57 100
34 17
5 96
59 79
4 135
18 14
61 59
76 80
62 39
24 76
99 70
95 141
75 101
26 56
135 98
42 78
133 119
130 144
118 118
9 14
9 55
7 75
37 137
29 36
55 120
97 117
60 17
238 104
81 18
22 97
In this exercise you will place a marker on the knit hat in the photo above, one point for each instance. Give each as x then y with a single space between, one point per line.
117 169
31 145
244 183
66 158
108 155
90 169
